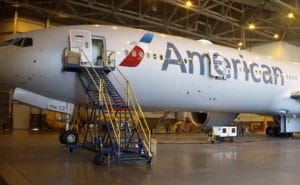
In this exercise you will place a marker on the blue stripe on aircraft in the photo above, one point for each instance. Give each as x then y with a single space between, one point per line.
147 38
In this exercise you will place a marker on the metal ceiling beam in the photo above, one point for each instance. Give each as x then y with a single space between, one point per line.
172 14
208 13
284 5
238 39
255 3
228 6
44 10
160 23
160 19
227 32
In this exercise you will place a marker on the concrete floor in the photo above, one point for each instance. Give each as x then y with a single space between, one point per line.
38 159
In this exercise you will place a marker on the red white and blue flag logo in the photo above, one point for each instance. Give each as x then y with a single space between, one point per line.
137 54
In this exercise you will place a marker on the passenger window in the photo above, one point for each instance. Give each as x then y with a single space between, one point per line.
18 42
185 61
133 53
179 60
141 54
154 56
27 42
190 60
126 52
161 57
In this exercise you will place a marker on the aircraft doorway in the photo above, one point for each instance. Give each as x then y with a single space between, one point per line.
98 51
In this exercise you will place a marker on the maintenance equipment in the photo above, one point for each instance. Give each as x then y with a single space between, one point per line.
117 129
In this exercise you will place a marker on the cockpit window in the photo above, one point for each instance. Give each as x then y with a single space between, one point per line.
6 43
20 42
27 42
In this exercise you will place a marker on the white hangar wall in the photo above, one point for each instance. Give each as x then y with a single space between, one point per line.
278 50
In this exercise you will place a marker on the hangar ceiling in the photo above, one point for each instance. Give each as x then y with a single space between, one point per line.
221 21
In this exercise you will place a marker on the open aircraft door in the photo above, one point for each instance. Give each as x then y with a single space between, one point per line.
81 40
217 65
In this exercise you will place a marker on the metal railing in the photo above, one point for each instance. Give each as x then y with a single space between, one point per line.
104 99
131 99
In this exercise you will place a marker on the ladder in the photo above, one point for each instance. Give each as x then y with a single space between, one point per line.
117 129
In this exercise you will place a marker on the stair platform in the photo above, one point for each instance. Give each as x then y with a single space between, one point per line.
112 129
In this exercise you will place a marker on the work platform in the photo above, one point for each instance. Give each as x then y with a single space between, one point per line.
117 129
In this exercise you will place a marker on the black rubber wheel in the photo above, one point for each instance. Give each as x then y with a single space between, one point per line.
270 131
149 161
99 159
71 150
290 135
70 137
277 132
62 136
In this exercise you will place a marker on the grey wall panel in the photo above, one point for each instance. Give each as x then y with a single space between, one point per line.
21 116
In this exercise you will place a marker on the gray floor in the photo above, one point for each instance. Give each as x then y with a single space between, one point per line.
39 159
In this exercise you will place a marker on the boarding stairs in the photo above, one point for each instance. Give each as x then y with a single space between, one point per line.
117 129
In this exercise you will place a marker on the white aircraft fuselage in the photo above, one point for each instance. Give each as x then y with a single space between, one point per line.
174 74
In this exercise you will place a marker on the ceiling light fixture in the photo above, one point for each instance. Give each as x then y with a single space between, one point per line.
188 3
251 26
291 15
276 36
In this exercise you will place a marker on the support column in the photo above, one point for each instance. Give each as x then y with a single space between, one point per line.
282 123
15 21
48 23
243 37
67 121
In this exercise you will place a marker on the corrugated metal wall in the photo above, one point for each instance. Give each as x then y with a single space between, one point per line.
23 25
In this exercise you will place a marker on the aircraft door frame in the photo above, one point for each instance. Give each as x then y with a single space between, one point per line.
100 60
80 41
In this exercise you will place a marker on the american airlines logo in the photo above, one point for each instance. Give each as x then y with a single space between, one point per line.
269 75
137 54
259 73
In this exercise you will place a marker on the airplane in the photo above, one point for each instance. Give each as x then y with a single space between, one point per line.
172 73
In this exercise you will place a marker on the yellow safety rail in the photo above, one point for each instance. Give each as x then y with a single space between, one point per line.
132 101
105 99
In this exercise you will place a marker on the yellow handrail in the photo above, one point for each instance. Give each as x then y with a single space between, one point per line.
131 101
108 104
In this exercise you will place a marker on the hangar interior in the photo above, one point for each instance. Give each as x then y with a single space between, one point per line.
266 27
